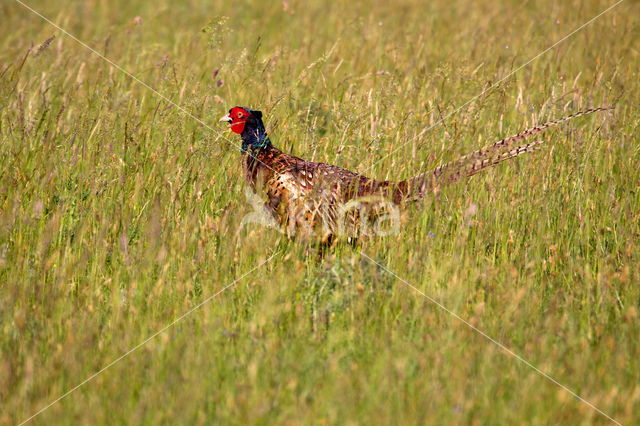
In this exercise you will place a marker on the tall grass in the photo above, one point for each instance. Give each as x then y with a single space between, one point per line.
119 213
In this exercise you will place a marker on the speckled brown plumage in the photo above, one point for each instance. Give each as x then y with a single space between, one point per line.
306 197
320 199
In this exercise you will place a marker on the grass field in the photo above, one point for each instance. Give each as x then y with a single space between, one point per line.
119 213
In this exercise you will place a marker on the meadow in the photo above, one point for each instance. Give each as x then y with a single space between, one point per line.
121 206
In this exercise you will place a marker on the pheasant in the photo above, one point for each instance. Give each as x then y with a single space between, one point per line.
312 198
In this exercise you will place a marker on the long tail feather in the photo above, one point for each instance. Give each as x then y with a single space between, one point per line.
470 164
481 164
506 142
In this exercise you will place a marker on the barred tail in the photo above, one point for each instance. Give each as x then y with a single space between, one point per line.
470 164
506 142
482 163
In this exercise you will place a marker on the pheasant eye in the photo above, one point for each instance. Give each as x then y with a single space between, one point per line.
239 115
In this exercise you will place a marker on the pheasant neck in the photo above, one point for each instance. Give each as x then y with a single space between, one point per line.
254 140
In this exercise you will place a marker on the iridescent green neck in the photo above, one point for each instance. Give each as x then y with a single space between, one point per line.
255 137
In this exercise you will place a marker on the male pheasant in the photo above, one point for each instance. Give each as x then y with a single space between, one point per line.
320 199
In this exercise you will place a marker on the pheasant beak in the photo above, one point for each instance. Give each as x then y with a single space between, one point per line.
226 119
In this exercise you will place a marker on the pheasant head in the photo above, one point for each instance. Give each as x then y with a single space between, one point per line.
248 124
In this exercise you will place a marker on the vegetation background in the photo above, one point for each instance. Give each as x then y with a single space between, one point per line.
119 213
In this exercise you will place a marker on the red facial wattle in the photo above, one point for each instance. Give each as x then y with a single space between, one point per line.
237 118
238 126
